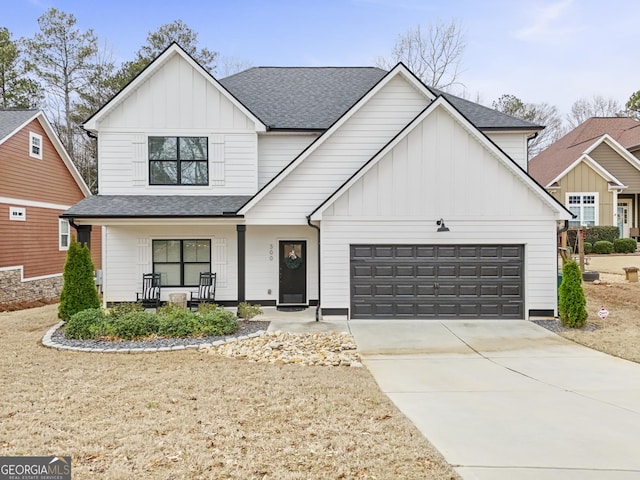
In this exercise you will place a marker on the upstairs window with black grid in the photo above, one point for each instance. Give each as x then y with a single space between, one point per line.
178 161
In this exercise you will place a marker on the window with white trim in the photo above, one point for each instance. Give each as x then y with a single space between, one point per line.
35 145
64 234
585 207
18 213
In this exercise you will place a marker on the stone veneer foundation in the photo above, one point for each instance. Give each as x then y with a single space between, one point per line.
12 289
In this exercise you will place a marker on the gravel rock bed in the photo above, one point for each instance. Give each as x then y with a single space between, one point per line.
556 326
246 328
281 348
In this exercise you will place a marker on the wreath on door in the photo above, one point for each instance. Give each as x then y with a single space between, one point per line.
292 261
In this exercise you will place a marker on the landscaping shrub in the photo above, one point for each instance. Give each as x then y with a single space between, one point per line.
588 247
248 311
603 246
218 321
79 290
123 308
625 245
129 321
134 325
571 301
85 324
594 234
176 321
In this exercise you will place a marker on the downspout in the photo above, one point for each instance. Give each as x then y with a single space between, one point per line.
318 314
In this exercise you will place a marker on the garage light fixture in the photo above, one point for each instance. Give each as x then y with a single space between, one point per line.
441 226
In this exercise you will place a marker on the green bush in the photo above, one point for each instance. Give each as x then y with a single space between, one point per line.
248 311
571 301
594 234
588 247
134 325
79 290
176 321
128 321
123 308
603 246
218 322
625 245
85 324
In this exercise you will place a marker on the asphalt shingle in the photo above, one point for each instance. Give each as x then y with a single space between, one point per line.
313 98
123 206
12 119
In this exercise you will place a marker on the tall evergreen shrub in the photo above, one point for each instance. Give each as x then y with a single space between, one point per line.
78 291
572 305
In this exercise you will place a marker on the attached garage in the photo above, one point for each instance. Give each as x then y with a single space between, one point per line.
437 281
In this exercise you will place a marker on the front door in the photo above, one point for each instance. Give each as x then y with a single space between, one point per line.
623 218
293 272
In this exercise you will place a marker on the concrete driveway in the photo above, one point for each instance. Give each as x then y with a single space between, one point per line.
504 400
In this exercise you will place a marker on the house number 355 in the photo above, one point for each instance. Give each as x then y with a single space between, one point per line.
271 252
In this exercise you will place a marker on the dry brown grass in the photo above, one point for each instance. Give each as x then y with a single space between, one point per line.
619 334
189 415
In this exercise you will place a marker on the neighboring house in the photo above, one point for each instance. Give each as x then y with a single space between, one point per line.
38 182
595 172
321 186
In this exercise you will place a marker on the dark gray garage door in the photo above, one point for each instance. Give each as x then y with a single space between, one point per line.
437 281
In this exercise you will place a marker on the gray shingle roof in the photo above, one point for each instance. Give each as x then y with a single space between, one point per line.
12 119
486 118
308 98
313 98
123 206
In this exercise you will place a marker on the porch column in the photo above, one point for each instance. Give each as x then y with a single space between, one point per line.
242 244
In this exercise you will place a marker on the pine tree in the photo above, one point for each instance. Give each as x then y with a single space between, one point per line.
572 303
79 291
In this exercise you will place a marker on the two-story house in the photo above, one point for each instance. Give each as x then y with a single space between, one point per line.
38 182
356 190
595 171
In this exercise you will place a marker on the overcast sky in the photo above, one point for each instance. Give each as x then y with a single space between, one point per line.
553 51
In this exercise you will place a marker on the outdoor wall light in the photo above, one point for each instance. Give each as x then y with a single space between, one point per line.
441 226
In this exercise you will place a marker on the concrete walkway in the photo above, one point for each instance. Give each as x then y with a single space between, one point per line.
504 400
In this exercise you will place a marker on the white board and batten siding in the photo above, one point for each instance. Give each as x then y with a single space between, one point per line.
262 260
130 256
177 101
439 170
340 155
277 150
513 144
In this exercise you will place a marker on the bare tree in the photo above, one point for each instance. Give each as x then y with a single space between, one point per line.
434 54
598 106
230 65
539 113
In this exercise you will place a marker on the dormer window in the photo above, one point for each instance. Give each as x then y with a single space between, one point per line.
178 161
35 145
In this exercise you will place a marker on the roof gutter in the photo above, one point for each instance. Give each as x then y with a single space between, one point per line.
317 228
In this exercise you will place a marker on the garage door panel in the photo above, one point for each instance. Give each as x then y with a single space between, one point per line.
361 271
447 271
383 290
437 281
406 290
383 271
405 271
426 271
